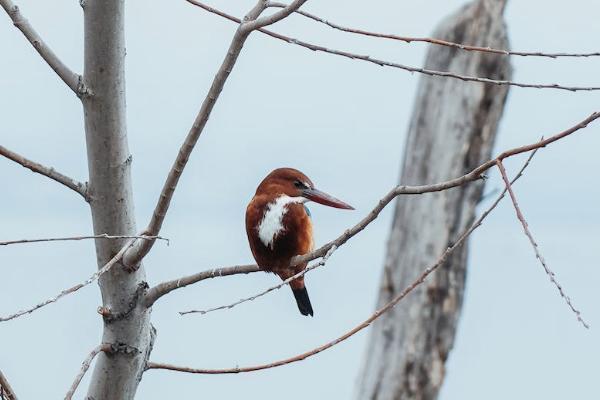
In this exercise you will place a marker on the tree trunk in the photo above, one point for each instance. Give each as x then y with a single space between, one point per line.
127 327
452 131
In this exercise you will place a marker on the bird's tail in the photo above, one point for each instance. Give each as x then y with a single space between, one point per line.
303 301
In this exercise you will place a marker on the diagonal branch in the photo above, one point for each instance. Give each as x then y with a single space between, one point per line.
69 77
536 249
383 63
135 255
365 323
74 238
409 39
51 173
75 288
6 392
166 287
105 347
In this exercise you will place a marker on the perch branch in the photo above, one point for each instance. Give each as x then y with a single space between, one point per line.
383 63
51 173
365 323
6 392
399 190
321 263
161 289
73 80
75 288
103 236
534 244
409 39
251 23
85 366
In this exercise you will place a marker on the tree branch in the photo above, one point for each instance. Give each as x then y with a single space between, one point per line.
51 173
365 323
250 23
160 290
409 39
103 236
85 366
6 392
383 63
73 80
75 288
287 9
279 286
539 256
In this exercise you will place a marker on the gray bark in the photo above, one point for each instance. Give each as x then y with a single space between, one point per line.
115 376
452 131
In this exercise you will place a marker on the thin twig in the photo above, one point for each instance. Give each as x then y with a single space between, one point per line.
49 172
6 392
251 23
409 39
85 366
73 80
102 236
536 249
75 288
365 323
383 63
474 175
321 263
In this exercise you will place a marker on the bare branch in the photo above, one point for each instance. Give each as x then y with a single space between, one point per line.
251 298
6 392
51 173
536 249
135 255
474 175
75 288
383 63
365 323
409 39
85 366
103 236
287 9
73 81
161 289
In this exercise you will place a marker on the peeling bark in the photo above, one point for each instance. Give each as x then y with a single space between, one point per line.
452 130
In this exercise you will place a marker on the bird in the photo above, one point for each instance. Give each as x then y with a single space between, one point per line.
279 227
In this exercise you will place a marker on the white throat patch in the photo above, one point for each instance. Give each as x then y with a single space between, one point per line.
271 224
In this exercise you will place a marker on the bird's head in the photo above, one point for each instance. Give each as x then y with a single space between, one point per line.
293 183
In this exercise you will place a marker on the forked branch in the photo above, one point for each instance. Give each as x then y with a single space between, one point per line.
49 172
249 24
164 288
73 80
535 246
365 323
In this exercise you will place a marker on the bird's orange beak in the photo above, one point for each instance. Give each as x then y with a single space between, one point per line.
325 199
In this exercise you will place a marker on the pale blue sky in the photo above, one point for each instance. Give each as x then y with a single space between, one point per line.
343 123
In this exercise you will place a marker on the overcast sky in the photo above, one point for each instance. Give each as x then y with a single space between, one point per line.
341 122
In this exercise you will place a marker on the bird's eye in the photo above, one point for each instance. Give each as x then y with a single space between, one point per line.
299 184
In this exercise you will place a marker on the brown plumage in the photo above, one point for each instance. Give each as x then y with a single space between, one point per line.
279 226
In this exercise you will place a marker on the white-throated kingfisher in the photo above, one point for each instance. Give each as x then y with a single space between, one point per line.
279 227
